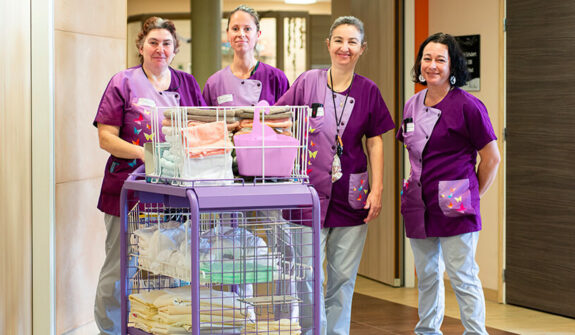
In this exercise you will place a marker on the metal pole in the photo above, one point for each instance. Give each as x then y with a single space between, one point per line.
206 19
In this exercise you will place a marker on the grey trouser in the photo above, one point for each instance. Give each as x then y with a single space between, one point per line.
107 305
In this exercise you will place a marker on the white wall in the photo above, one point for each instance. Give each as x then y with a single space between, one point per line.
15 170
90 46
468 17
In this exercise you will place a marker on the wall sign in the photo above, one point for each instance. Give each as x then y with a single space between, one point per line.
470 46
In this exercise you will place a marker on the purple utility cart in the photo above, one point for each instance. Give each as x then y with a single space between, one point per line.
239 258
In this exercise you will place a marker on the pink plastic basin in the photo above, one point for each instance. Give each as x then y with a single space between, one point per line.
276 162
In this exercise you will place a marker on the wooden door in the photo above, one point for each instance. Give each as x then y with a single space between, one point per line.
540 243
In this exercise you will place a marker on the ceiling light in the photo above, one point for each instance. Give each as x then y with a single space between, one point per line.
300 2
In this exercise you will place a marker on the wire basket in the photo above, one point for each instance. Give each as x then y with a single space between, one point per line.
194 146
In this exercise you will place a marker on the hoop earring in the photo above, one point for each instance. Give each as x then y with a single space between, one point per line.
421 79
452 80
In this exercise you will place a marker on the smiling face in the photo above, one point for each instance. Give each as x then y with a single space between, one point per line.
435 64
242 32
158 48
345 45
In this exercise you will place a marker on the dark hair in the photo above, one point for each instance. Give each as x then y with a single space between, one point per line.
248 10
351 20
457 61
152 23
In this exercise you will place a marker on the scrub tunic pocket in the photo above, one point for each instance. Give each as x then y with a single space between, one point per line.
455 198
315 124
358 190
408 139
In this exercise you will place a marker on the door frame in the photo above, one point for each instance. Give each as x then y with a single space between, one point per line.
43 167
502 148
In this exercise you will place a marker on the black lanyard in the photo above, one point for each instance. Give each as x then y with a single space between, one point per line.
338 142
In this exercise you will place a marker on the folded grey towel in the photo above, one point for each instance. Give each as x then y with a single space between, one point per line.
210 114
273 109
205 111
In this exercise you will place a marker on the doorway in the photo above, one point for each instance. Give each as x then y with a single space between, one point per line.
540 239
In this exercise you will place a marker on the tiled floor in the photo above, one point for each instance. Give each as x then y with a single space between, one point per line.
373 316
502 317
87 329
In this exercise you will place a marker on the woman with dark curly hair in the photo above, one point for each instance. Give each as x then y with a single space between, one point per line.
444 128
124 125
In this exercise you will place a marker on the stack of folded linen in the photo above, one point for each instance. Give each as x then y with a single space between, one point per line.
273 327
206 139
198 116
276 112
197 152
279 119
143 312
169 311
208 148
170 162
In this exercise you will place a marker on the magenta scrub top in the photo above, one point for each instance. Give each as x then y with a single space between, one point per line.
441 196
126 103
365 114
266 83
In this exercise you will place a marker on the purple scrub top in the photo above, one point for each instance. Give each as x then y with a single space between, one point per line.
441 196
126 103
365 114
266 83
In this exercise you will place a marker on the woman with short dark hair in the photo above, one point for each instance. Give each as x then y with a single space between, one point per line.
444 128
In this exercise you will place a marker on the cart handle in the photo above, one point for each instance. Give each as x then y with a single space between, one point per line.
138 172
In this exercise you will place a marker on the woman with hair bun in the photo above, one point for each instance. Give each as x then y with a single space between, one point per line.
247 80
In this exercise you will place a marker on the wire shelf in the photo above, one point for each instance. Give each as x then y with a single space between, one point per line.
252 266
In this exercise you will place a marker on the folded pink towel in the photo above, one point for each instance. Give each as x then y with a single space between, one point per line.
231 126
207 139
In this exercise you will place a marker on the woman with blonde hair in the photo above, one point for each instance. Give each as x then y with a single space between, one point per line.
346 107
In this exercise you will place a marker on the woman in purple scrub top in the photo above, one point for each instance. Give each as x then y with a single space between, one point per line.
443 129
244 83
124 125
247 80
346 107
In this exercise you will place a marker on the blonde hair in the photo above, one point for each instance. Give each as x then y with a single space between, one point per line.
248 10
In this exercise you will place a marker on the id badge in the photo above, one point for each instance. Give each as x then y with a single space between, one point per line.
408 125
335 169
222 99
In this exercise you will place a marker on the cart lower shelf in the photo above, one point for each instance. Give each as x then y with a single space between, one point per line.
136 331
260 242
